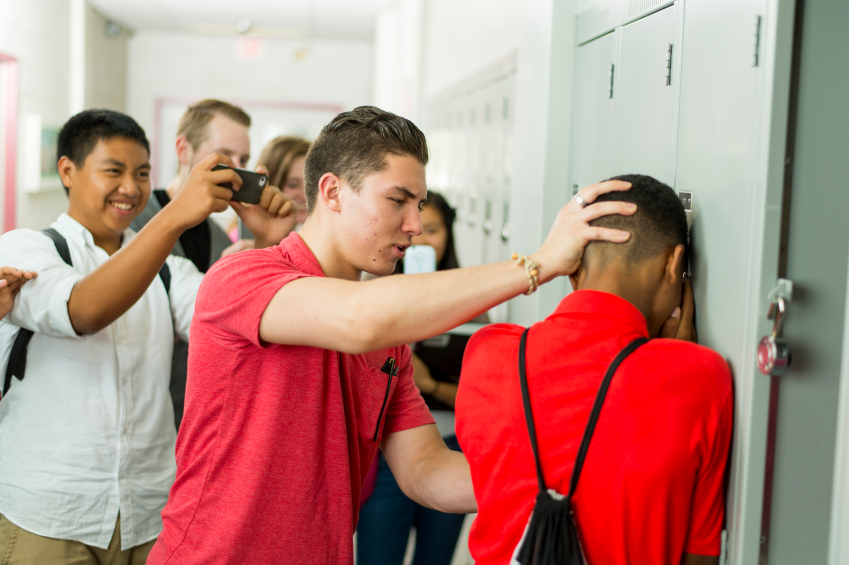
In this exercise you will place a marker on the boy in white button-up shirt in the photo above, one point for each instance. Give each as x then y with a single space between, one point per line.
87 437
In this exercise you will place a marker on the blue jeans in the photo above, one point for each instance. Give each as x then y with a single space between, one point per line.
386 519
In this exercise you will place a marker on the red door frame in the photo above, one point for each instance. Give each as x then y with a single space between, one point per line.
9 198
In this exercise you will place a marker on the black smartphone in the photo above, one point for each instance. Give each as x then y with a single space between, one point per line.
252 185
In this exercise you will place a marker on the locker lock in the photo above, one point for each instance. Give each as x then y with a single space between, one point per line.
773 352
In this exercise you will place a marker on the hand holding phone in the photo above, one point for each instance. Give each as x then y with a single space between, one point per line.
252 185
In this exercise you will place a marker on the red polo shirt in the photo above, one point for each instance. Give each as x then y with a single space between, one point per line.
276 440
652 484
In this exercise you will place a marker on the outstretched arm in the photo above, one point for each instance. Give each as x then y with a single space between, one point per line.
106 293
355 317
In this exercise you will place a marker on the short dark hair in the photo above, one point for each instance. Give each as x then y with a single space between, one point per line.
355 144
659 222
81 134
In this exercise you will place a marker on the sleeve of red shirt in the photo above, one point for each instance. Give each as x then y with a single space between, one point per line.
407 409
237 289
708 510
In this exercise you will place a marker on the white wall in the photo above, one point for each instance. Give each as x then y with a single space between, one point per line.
39 34
36 32
190 67
398 51
105 64
463 38
460 38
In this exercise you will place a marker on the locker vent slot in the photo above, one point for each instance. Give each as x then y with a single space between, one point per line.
593 24
638 7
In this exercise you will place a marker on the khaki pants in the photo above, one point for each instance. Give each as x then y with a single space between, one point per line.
20 547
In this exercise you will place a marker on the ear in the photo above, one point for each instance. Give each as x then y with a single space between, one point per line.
674 265
67 171
184 150
329 191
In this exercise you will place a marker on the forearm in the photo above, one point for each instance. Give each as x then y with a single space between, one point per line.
443 482
109 291
444 392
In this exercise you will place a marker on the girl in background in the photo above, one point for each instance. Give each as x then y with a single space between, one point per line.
284 158
387 516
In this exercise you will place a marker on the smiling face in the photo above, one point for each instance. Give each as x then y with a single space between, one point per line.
110 189
378 223
294 187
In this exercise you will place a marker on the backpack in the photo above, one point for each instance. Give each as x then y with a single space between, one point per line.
551 536
17 364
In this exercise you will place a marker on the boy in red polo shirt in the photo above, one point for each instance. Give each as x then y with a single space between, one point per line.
298 373
651 489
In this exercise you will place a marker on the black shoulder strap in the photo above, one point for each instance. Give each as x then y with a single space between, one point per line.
588 431
61 244
165 275
17 364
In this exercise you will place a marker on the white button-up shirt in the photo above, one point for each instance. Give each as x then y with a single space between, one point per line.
90 429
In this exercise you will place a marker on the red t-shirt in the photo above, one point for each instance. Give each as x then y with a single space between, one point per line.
276 441
652 484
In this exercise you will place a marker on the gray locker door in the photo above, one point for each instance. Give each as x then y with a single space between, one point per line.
643 96
592 114
730 155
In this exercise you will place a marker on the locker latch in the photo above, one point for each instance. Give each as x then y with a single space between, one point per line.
773 353
669 65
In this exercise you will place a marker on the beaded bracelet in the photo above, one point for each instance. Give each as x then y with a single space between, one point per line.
531 268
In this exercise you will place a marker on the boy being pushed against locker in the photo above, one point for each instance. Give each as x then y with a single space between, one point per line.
651 488
87 437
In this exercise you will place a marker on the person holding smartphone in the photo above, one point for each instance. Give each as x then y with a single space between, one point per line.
209 126
87 437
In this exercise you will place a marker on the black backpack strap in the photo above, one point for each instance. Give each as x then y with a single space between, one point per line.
61 244
588 431
529 413
17 364
165 275
599 402
17 359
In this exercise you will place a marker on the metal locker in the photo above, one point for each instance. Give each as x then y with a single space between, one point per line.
643 97
592 112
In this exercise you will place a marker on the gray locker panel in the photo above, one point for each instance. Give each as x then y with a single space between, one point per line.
730 154
592 114
643 97
817 264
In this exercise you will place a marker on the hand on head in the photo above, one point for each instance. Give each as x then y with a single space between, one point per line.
563 249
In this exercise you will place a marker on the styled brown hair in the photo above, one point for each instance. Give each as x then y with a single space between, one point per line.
278 155
355 144
197 117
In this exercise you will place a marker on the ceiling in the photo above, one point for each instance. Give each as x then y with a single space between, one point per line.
324 19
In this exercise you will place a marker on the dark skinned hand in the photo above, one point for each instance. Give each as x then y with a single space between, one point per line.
681 326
